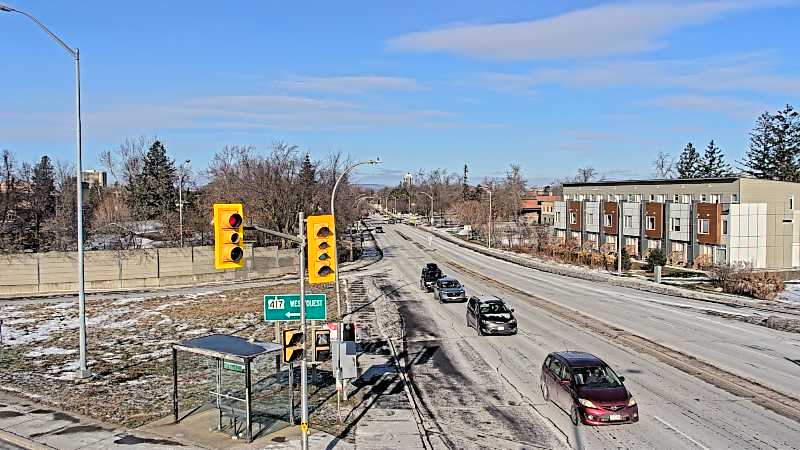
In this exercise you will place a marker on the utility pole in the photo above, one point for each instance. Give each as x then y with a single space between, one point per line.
620 223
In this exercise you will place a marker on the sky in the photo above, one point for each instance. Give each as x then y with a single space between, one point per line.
551 86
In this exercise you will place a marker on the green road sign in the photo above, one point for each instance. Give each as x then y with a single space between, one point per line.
286 307
233 366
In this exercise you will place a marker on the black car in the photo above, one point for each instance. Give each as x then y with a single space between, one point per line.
379 229
489 314
430 273
448 289
390 221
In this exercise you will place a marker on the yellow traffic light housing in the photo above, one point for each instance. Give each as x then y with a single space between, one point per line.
292 345
228 236
321 237
322 344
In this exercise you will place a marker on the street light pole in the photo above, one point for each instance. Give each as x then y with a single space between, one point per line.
83 371
336 246
180 199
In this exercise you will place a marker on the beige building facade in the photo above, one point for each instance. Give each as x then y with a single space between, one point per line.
719 220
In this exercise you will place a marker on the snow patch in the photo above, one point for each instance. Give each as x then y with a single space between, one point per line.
48 351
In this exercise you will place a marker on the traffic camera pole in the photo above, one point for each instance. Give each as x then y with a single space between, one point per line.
304 330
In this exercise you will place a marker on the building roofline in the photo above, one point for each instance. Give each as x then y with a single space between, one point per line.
657 181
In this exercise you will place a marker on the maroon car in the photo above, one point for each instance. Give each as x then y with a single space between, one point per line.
585 387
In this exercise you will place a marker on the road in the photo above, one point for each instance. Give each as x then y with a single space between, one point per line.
679 409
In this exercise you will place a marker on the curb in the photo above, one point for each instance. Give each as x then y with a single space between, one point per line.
23 442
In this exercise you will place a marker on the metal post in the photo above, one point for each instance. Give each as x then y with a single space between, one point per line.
219 391
248 400
180 208
620 224
304 330
175 384
490 219
291 394
431 210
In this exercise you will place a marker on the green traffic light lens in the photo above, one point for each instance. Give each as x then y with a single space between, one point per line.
324 271
236 254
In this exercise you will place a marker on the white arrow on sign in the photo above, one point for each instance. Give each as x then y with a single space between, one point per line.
291 314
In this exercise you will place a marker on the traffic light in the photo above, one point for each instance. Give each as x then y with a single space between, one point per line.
321 235
228 236
322 344
292 345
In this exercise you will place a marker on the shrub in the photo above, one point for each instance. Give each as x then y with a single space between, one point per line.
740 279
656 257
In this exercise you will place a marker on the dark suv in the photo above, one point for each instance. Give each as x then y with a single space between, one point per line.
448 289
585 387
430 273
489 314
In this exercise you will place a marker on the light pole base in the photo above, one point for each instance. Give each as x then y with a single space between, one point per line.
82 374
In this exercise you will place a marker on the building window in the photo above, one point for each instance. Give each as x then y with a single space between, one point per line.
650 223
734 198
702 226
599 197
687 198
630 242
713 198
724 226
628 221
573 218
660 198
676 198
638 198
630 197
652 197
653 243
590 219
611 240
591 197
558 217
678 247
567 196
791 202
676 224
607 222
704 198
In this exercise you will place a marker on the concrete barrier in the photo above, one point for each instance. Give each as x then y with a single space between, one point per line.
56 272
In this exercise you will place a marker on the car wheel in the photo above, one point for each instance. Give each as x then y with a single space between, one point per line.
575 416
545 392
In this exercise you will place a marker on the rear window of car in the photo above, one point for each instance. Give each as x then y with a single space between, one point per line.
449 284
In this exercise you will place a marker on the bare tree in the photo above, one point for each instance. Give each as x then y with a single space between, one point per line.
586 174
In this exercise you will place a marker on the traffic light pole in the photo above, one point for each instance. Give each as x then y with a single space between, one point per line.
304 329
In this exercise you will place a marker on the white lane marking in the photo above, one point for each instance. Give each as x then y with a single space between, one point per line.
681 433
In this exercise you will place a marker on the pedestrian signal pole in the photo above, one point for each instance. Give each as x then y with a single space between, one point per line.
304 361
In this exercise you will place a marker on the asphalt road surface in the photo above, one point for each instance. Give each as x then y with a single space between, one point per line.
678 408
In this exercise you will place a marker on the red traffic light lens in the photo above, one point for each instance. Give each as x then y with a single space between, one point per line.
235 220
236 254
324 232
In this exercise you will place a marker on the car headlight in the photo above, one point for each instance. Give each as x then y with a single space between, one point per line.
586 403
631 402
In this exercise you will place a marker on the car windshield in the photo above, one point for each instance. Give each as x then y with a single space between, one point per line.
595 377
449 284
493 308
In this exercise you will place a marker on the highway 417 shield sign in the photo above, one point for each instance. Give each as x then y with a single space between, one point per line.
286 307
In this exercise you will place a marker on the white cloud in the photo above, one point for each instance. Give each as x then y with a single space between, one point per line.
753 72
729 106
349 84
599 31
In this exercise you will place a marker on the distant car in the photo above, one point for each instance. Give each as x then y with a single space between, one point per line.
489 314
448 289
379 229
430 273
390 221
587 389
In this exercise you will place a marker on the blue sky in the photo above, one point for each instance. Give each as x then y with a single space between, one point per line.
549 85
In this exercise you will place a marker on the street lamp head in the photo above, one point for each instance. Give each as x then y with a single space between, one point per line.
374 161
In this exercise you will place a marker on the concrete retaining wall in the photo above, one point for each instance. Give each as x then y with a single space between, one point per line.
57 272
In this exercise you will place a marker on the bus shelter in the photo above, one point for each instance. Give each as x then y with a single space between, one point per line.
230 353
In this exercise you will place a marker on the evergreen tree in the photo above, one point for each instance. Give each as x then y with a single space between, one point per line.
688 165
153 190
759 160
713 163
42 201
786 144
307 184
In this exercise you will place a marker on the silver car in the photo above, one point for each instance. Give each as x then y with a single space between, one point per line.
448 290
